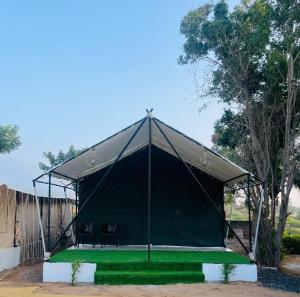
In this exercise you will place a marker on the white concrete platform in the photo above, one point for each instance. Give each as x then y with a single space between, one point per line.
242 272
61 272
9 257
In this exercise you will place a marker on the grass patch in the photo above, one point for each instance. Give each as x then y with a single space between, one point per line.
125 256
150 266
148 277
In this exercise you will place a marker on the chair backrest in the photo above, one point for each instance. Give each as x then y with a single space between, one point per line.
87 228
110 228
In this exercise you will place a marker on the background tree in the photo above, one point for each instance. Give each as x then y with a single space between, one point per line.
55 159
9 139
255 54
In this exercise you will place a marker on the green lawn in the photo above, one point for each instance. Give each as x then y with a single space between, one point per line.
126 256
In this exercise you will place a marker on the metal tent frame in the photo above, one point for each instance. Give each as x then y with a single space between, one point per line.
250 181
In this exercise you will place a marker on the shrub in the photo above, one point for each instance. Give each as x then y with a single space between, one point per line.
227 270
75 267
291 243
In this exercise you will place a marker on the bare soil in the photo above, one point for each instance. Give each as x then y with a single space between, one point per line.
291 265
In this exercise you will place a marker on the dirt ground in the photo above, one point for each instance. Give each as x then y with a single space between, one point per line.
26 281
291 265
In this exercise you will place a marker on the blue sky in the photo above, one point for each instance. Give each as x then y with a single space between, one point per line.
74 72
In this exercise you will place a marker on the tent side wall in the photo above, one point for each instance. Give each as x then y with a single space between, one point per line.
180 213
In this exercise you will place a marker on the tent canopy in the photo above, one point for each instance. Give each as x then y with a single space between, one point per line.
192 152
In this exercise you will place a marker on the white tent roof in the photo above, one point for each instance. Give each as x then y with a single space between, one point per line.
104 153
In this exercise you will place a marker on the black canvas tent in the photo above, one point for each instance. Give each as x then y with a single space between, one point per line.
180 214
159 185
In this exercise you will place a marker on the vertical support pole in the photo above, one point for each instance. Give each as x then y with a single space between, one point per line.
69 213
249 213
229 221
258 221
40 221
76 211
16 211
149 187
49 214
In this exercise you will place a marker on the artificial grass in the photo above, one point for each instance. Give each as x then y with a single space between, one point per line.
118 267
150 266
148 277
129 256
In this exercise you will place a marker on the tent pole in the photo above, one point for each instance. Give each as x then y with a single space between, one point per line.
258 221
40 221
249 213
99 183
149 187
76 212
200 185
69 214
229 221
49 214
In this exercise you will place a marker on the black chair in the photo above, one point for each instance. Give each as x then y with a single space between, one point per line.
87 232
109 234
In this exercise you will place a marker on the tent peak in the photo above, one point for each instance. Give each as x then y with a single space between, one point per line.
149 113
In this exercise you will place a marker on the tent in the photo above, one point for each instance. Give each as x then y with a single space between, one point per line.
161 186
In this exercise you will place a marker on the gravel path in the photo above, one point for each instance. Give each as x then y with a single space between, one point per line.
277 280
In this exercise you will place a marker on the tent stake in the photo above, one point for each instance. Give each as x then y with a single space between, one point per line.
99 183
200 185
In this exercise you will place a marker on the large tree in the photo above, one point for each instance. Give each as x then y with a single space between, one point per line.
9 139
255 54
55 159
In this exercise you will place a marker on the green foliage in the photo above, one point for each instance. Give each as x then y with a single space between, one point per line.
9 139
293 222
75 265
54 160
227 270
247 50
229 198
291 243
283 252
254 54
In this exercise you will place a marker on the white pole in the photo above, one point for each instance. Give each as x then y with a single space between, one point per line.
227 231
69 214
258 222
46 255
